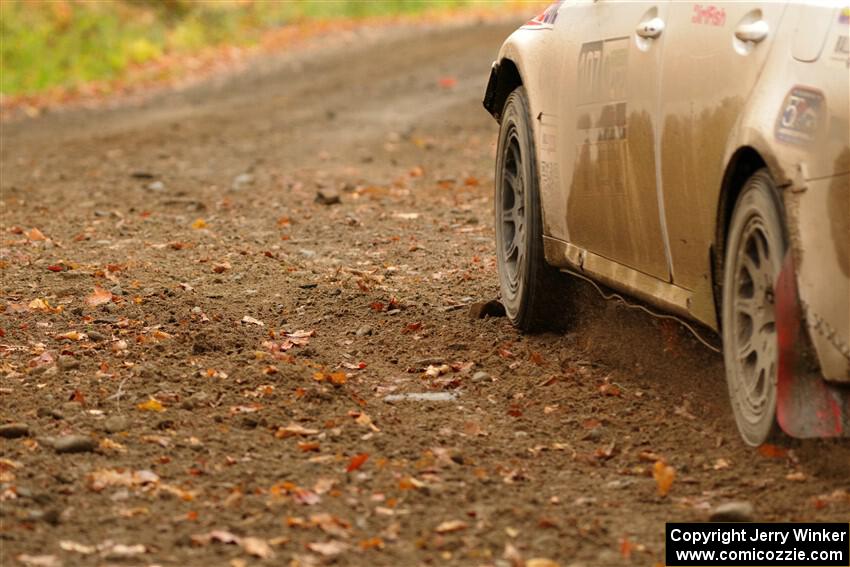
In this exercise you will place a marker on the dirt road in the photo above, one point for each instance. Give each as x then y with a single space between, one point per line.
223 346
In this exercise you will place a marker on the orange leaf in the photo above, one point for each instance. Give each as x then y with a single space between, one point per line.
199 223
356 462
98 297
151 405
34 234
663 475
447 82
773 451
372 543
308 446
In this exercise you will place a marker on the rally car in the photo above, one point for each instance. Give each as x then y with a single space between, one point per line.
695 156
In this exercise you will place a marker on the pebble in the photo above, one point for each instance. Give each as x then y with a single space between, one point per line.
421 397
68 363
481 377
96 336
157 186
482 309
117 290
242 179
365 330
74 444
50 412
14 430
735 511
116 424
327 196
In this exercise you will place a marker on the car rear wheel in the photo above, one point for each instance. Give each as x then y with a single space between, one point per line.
533 293
755 249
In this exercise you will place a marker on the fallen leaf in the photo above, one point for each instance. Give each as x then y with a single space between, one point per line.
35 235
447 82
329 548
151 405
252 321
199 224
663 475
540 562
371 543
294 429
71 336
257 547
450 526
221 267
356 462
98 297
772 451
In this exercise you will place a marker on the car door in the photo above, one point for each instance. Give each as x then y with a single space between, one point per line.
713 56
609 127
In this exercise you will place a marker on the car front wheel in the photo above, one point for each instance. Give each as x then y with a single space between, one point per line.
533 293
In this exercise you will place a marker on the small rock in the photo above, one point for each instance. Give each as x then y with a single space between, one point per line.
116 424
117 290
68 363
50 412
595 434
157 186
96 336
327 196
242 179
307 253
421 397
74 444
482 309
481 377
735 511
365 331
14 430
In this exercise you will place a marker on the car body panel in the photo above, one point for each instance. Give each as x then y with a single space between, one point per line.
608 117
708 77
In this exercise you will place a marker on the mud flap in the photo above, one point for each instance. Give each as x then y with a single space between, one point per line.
806 405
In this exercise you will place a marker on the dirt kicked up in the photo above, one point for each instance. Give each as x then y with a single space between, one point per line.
236 330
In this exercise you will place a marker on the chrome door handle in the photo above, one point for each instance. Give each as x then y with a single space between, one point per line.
650 29
753 31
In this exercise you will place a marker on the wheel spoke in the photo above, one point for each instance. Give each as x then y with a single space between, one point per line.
745 348
511 180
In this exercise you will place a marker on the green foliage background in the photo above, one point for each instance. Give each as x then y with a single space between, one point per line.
50 43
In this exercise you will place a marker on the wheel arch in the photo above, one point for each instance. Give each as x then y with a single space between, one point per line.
744 162
504 78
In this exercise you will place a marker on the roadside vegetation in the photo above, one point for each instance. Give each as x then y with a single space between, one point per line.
67 43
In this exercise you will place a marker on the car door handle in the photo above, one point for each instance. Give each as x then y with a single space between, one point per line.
650 29
752 31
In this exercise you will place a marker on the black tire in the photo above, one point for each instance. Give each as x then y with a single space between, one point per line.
534 294
756 244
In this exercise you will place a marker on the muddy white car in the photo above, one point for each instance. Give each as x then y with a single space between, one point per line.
695 156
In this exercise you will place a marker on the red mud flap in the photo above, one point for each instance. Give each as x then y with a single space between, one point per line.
806 404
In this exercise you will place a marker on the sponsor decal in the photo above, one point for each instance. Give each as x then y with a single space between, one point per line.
546 20
602 78
844 16
801 115
708 14
842 48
